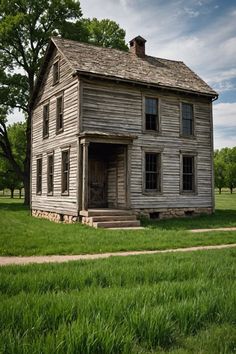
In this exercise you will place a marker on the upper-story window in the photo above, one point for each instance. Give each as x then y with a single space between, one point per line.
45 120
151 114
152 172
55 72
59 113
188 172
187 119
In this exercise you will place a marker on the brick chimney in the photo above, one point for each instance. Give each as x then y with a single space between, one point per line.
137 46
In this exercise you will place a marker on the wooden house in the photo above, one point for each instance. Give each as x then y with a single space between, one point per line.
119 134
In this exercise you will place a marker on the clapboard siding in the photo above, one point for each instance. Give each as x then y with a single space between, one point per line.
68 87
119 108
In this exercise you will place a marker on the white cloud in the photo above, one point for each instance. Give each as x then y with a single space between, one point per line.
224 115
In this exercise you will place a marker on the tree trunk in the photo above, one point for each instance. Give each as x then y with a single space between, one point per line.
231 190
27 162
12 193
20 189
219 190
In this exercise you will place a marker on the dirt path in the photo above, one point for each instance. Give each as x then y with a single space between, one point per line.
219 229
60 259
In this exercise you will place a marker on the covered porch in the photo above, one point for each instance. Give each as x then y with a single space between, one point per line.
105 167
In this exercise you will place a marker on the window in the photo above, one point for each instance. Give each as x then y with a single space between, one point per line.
39 176
152 172
187 119
188 174
55 70
50 173
65 172
45 120
59 114
151 114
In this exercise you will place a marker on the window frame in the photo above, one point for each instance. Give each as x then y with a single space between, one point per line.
46 134
39 176
182 134
193 155
50 155
157 152
55 80
65 192
158 118
59 129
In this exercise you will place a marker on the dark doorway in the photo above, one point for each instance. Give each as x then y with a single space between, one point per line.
97 183
97 176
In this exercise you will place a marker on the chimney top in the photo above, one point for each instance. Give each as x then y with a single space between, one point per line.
137 46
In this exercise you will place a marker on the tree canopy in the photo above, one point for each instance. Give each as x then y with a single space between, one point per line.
225 168
25 29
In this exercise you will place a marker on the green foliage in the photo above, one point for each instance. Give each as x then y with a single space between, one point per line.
105 33
8 176
144 304
25 29
225 168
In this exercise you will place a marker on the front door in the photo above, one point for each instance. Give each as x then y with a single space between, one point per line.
97 183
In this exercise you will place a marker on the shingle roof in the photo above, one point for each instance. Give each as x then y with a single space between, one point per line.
109 62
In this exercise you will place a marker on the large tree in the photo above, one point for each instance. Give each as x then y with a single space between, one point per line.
9 178
25 29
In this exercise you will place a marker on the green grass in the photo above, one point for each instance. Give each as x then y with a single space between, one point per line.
172 303
22 234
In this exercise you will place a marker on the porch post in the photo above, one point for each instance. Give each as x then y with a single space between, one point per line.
85 177
128 174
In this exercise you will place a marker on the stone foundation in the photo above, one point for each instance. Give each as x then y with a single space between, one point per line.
171 213
55 217
140 213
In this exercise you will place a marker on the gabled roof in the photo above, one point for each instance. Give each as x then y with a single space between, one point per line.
117 64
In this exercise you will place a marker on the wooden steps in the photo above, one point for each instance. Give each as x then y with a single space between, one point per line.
110 218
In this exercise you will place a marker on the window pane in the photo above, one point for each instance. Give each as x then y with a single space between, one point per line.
152 171
39 176
65 171
151 113
59 113
45 120
188 173
55 72
187 119
50 173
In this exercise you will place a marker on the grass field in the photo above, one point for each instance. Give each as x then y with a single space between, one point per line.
173 303
22 234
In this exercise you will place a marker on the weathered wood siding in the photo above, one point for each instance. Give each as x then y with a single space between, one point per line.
68 86
119 108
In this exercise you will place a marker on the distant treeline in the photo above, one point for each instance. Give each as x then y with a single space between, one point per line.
225 168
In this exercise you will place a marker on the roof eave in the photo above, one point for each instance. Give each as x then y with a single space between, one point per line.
214 95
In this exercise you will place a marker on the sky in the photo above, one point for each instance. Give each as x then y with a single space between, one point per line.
202 33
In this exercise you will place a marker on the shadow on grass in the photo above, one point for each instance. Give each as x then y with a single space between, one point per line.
221 218
13 206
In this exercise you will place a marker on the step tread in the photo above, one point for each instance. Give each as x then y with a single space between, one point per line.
105 212
114 224
113 218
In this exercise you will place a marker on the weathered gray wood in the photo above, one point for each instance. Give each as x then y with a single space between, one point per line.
113 113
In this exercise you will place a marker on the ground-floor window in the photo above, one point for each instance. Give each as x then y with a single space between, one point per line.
50 173
65 172
152 172
188 173
39 175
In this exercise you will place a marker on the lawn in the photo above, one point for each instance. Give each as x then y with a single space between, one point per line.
22 234
172 303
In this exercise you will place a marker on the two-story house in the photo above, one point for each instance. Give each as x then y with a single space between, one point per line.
118 134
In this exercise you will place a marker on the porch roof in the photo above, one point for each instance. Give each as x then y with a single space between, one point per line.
106 137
